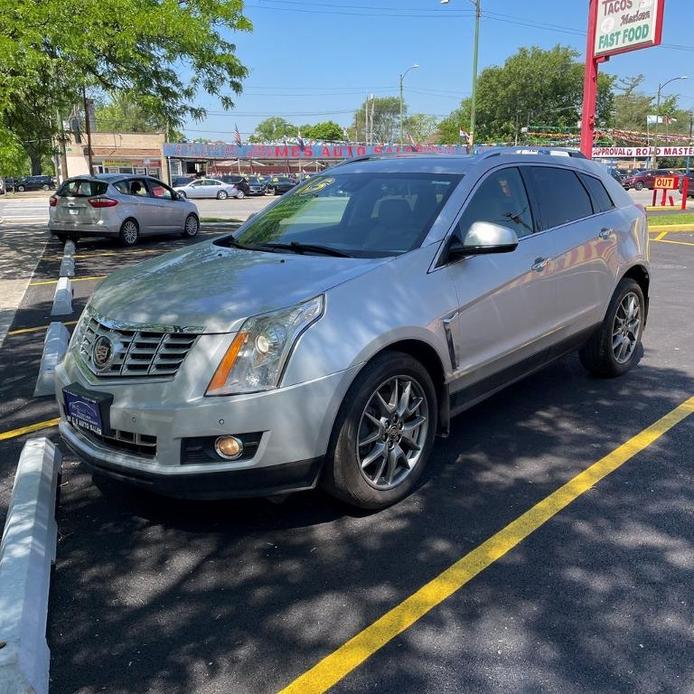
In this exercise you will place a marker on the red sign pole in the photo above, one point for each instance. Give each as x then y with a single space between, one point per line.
590 84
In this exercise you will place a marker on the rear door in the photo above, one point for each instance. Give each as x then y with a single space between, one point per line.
172 215
143 207
72 206
580 235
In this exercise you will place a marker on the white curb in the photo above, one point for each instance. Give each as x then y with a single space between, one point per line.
26 554
67 267
54 348
62 300
69 249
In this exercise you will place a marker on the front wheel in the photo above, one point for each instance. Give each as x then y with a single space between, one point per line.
191 227
615 346
383 434
129 232
181 194
20 189
639 186
222 195
240 195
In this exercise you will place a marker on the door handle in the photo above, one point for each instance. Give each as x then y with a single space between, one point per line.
605 233
539 264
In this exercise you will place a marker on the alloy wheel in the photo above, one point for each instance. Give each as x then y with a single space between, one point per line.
626 328
221 195
392 431
192 226
129 231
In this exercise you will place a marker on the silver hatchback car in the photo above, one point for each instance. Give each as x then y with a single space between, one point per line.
119 206
336 333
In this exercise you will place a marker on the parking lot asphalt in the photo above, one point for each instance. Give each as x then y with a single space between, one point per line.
156 595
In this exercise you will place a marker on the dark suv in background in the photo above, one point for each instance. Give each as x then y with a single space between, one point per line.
35 183
236 180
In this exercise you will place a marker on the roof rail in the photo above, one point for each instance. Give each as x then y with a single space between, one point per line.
551 151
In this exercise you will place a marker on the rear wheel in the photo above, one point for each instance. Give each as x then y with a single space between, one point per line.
129 232
20 189
222 195
615 346
271 191
181 194
44 187
191 227
639 186
240 195
383 434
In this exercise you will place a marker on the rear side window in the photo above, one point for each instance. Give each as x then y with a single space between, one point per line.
602 202
79 188
501 198
560 196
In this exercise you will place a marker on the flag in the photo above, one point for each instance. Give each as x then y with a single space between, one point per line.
299 139
237 135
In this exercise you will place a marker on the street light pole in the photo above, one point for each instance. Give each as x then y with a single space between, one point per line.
654 158
402 103
475 47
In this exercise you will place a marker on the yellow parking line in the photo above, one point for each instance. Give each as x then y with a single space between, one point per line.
341 662
655 228
679 243
14 433
72 279
661 236
38 328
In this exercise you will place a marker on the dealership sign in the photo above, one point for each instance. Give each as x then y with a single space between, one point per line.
630 152
626 25
194 150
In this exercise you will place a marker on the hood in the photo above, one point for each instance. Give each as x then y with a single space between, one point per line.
208 288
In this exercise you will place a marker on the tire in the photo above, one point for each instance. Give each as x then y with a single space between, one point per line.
181 194
20 189
638 186
271 191
61 236
603 355
44 187
222 195
366 486
129 233
191 227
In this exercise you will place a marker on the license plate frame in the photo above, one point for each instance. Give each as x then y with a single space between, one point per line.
88 409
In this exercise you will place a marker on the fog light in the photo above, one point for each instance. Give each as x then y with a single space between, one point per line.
228 447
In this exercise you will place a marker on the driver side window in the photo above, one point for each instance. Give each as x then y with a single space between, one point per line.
501 199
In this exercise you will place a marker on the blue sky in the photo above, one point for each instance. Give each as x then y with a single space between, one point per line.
313 60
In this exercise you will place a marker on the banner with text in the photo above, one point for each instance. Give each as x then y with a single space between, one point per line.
630 152
195 150
627 25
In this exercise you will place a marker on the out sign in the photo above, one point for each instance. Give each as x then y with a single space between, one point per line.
666 182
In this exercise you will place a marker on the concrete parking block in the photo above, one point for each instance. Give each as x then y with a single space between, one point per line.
26 554
69 249
67 267
62 300
54 348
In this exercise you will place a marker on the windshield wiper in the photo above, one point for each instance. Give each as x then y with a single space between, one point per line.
231 241
297 247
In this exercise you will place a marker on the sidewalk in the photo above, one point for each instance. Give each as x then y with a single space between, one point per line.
20 251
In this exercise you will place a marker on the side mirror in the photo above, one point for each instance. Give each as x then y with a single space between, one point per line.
482 238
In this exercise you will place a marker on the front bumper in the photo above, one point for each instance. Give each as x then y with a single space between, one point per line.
295 424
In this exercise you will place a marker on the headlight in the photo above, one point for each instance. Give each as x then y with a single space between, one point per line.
258 353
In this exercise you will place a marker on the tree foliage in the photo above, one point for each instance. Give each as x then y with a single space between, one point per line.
420 127
143 47
13 158
273 129
128 112
326 131
384 125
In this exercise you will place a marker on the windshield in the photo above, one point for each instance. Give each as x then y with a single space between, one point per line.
360 214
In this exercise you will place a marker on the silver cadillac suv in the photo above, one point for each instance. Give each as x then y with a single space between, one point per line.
335 334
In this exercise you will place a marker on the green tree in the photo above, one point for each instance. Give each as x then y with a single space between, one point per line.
327 131
164 50
384 124
13 158
273 128
448 131
420 127
533 87
630 106
127 112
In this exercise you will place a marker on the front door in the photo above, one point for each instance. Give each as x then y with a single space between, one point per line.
506 300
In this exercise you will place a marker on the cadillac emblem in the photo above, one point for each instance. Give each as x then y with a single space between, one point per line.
102 352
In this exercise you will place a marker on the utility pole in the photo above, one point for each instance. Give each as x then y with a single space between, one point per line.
475 44
63 153
88 128
654 158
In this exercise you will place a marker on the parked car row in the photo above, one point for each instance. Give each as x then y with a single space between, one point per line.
251 185
27 183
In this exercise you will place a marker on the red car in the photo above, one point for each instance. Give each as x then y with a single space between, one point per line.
644 179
